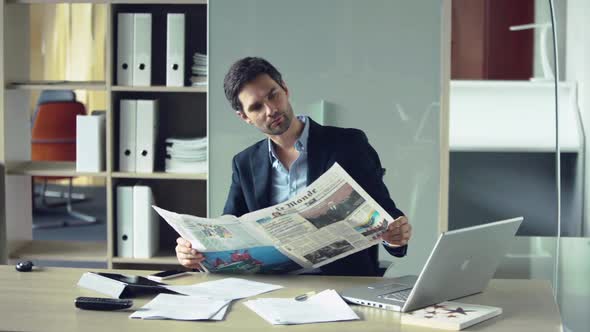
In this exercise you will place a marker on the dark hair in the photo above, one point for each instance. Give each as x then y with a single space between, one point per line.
244 71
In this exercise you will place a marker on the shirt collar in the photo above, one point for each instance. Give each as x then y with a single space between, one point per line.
300 144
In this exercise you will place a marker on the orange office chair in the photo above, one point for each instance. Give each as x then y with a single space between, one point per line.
53 138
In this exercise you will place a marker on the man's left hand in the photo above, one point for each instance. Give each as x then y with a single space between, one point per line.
398 233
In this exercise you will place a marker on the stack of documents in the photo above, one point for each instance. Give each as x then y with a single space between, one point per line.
326 306
205 301
187 155
228 288
199 70
180 307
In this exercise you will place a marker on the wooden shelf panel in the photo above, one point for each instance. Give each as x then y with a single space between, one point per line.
149 2
161 175
188 2
160 258
61 251
160 88
47 168
56 85
55 1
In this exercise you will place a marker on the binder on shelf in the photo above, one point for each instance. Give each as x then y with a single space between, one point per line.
146 134
127 135
125 48
142 49
125 221
90 142
175 50
146 230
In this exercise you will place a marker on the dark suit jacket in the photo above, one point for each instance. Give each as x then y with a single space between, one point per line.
250 187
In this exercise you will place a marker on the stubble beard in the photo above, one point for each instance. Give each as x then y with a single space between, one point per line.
283 126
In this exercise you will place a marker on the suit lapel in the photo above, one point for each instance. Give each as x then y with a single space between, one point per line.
317 157
260 170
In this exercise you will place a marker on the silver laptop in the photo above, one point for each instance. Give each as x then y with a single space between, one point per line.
461 263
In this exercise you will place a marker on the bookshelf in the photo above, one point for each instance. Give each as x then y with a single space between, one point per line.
182 113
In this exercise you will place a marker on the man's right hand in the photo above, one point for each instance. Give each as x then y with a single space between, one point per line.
187 256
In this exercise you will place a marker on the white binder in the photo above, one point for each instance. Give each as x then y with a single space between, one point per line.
142 49
124 221
127 135
146 230
125 48
175 50
145 139
90 142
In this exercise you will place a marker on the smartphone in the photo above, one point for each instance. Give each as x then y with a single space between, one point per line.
166 275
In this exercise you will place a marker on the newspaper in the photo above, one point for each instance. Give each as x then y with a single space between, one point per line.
332 218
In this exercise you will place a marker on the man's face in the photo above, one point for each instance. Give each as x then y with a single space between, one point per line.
265 105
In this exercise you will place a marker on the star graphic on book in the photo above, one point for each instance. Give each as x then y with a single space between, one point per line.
459 310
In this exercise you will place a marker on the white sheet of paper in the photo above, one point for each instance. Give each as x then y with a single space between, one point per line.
228 288
326 306
180 307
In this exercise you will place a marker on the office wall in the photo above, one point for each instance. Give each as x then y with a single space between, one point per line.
375 63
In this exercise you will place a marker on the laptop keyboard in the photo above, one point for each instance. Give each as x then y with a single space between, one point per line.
400 296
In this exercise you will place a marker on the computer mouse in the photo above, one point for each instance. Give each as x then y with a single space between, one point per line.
24 266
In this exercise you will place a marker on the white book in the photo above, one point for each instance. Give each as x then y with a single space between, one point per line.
125 48
146 230
125 221
127 135
146 134
90 143
450 315
142 49
175 50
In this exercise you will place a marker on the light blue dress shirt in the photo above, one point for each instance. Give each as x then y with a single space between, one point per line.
287 183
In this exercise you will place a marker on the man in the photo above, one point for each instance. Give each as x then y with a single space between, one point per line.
296 152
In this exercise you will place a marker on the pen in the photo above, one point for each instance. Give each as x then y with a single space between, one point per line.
305 296
203 268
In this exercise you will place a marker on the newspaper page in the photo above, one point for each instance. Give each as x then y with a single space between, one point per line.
332 218
229 245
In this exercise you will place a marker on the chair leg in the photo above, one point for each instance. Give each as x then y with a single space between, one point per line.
43 192
44 204
76 197
84 217
80 218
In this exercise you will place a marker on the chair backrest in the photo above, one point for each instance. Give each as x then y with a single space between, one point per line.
51 96
53 136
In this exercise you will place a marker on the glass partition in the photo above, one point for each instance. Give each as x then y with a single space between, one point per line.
504 158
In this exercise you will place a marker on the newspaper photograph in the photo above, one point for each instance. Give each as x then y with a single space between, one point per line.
229 246
331 219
